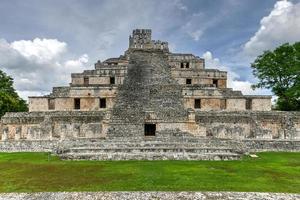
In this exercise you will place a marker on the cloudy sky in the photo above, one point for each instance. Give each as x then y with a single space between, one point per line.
42 42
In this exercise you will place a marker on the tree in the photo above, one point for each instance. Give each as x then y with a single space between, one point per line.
279 70
9 99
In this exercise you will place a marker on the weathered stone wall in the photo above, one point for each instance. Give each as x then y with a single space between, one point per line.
77 81
222 83
101 75
235 104
64 104
108 91
259 145
250 145
97 80
210 104
261 104
94 124
250 124
38 104
52 125
175 60
87 103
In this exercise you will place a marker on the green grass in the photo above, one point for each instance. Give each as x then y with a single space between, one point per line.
32 172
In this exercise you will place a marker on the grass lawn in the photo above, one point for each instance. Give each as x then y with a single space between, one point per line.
32 172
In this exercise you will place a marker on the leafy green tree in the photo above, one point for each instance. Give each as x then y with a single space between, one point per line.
9 99
279 70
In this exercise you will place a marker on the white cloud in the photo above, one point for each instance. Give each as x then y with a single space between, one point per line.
196 34
41 50
38 65
280 26
80 62
232 77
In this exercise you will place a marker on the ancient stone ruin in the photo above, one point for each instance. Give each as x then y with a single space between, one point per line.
150 103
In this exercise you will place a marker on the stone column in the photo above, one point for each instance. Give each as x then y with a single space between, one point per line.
18 132
4 134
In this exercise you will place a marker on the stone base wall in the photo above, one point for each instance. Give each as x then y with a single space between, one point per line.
28 146
272 145
218 124
53 145
52 125
250 124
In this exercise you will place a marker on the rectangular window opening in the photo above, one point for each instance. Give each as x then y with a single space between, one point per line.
86 80
150 129
181 65
248 104
187 65
51 104
102 102
188 81
197 104
76 103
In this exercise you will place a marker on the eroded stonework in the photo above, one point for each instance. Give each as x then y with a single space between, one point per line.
151 104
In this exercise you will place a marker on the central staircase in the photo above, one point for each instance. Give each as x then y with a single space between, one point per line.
150 94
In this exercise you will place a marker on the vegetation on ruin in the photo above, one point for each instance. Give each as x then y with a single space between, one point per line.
9 98
33 172
279 70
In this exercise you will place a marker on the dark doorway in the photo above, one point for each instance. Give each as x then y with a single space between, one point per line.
150 129
112 80
215 82
181 65
77 103
102 102
197 103
188 81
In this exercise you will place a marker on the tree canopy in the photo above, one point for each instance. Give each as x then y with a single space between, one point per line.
9 98
279 70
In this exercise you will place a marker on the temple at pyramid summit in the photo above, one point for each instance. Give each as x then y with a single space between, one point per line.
150 103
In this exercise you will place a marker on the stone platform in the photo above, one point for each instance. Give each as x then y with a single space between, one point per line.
151 153
153 148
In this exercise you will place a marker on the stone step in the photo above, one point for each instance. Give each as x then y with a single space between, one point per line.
177 149
154 145
156 141
150 156
151 146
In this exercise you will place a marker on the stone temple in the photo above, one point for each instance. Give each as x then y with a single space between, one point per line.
150 103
